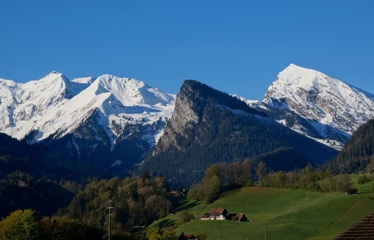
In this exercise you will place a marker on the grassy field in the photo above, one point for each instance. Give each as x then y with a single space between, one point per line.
281 213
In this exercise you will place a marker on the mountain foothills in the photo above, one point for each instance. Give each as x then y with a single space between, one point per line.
104 126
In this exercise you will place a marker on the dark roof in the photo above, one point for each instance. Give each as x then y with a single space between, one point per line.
362 230
217 210
240 216
189 236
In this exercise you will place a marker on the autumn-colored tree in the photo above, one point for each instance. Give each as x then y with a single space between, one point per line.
248 169
160 234
370 166
65 228
343 183
21 225
261 171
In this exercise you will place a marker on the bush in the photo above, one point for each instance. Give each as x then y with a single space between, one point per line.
185 216
363 179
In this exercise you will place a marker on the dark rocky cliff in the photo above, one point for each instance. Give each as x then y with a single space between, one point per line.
209 126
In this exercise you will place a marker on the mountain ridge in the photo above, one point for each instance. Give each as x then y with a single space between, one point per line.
93 119
208 127
109 109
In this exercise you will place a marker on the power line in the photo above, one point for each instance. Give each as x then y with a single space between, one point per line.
110 218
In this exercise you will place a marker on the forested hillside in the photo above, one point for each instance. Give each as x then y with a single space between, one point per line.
137 202
357 152
30 178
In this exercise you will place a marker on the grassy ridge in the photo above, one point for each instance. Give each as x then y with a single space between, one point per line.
284 213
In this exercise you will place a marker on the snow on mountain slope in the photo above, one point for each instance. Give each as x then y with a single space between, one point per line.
335 109
54 106
8 88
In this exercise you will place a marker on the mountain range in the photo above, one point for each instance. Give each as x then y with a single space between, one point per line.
99 122
107 124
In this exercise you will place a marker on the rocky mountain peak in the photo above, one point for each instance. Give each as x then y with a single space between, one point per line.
191 106
334 107
210 126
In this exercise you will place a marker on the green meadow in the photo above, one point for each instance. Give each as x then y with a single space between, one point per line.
279 214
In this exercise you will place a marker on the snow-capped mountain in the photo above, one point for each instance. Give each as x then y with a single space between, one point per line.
111 121
333 108
105 111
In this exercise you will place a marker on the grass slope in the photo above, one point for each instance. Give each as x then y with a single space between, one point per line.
284 213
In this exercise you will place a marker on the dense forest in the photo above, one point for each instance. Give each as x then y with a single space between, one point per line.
136 202
20 190
357 151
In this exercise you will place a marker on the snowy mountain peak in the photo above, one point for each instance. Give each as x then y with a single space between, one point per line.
295 77
130 92
53 107
54 72
84 80
52 87
292 65
326 102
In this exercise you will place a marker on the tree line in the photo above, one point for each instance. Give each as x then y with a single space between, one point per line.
225 176
137 202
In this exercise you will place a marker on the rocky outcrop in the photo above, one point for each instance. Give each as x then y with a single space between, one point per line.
209 126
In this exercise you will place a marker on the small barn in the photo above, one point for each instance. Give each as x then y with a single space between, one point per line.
215 214
218 214
241 217
206 216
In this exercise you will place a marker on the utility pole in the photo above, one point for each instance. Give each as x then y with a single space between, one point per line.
265 234
110 218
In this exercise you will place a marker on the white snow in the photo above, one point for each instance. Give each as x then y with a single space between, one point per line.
116 163
322 100
55 106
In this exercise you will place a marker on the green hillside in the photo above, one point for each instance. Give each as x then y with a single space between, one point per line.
284 213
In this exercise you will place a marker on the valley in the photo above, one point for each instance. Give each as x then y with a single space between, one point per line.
282 161
282 213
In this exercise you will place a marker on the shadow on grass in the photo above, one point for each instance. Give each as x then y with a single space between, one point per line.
166 223
184 205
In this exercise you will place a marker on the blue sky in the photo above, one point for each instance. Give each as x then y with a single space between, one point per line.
234 46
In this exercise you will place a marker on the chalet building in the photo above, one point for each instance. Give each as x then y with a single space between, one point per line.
215 214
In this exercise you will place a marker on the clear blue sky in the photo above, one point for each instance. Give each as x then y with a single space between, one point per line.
234 46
